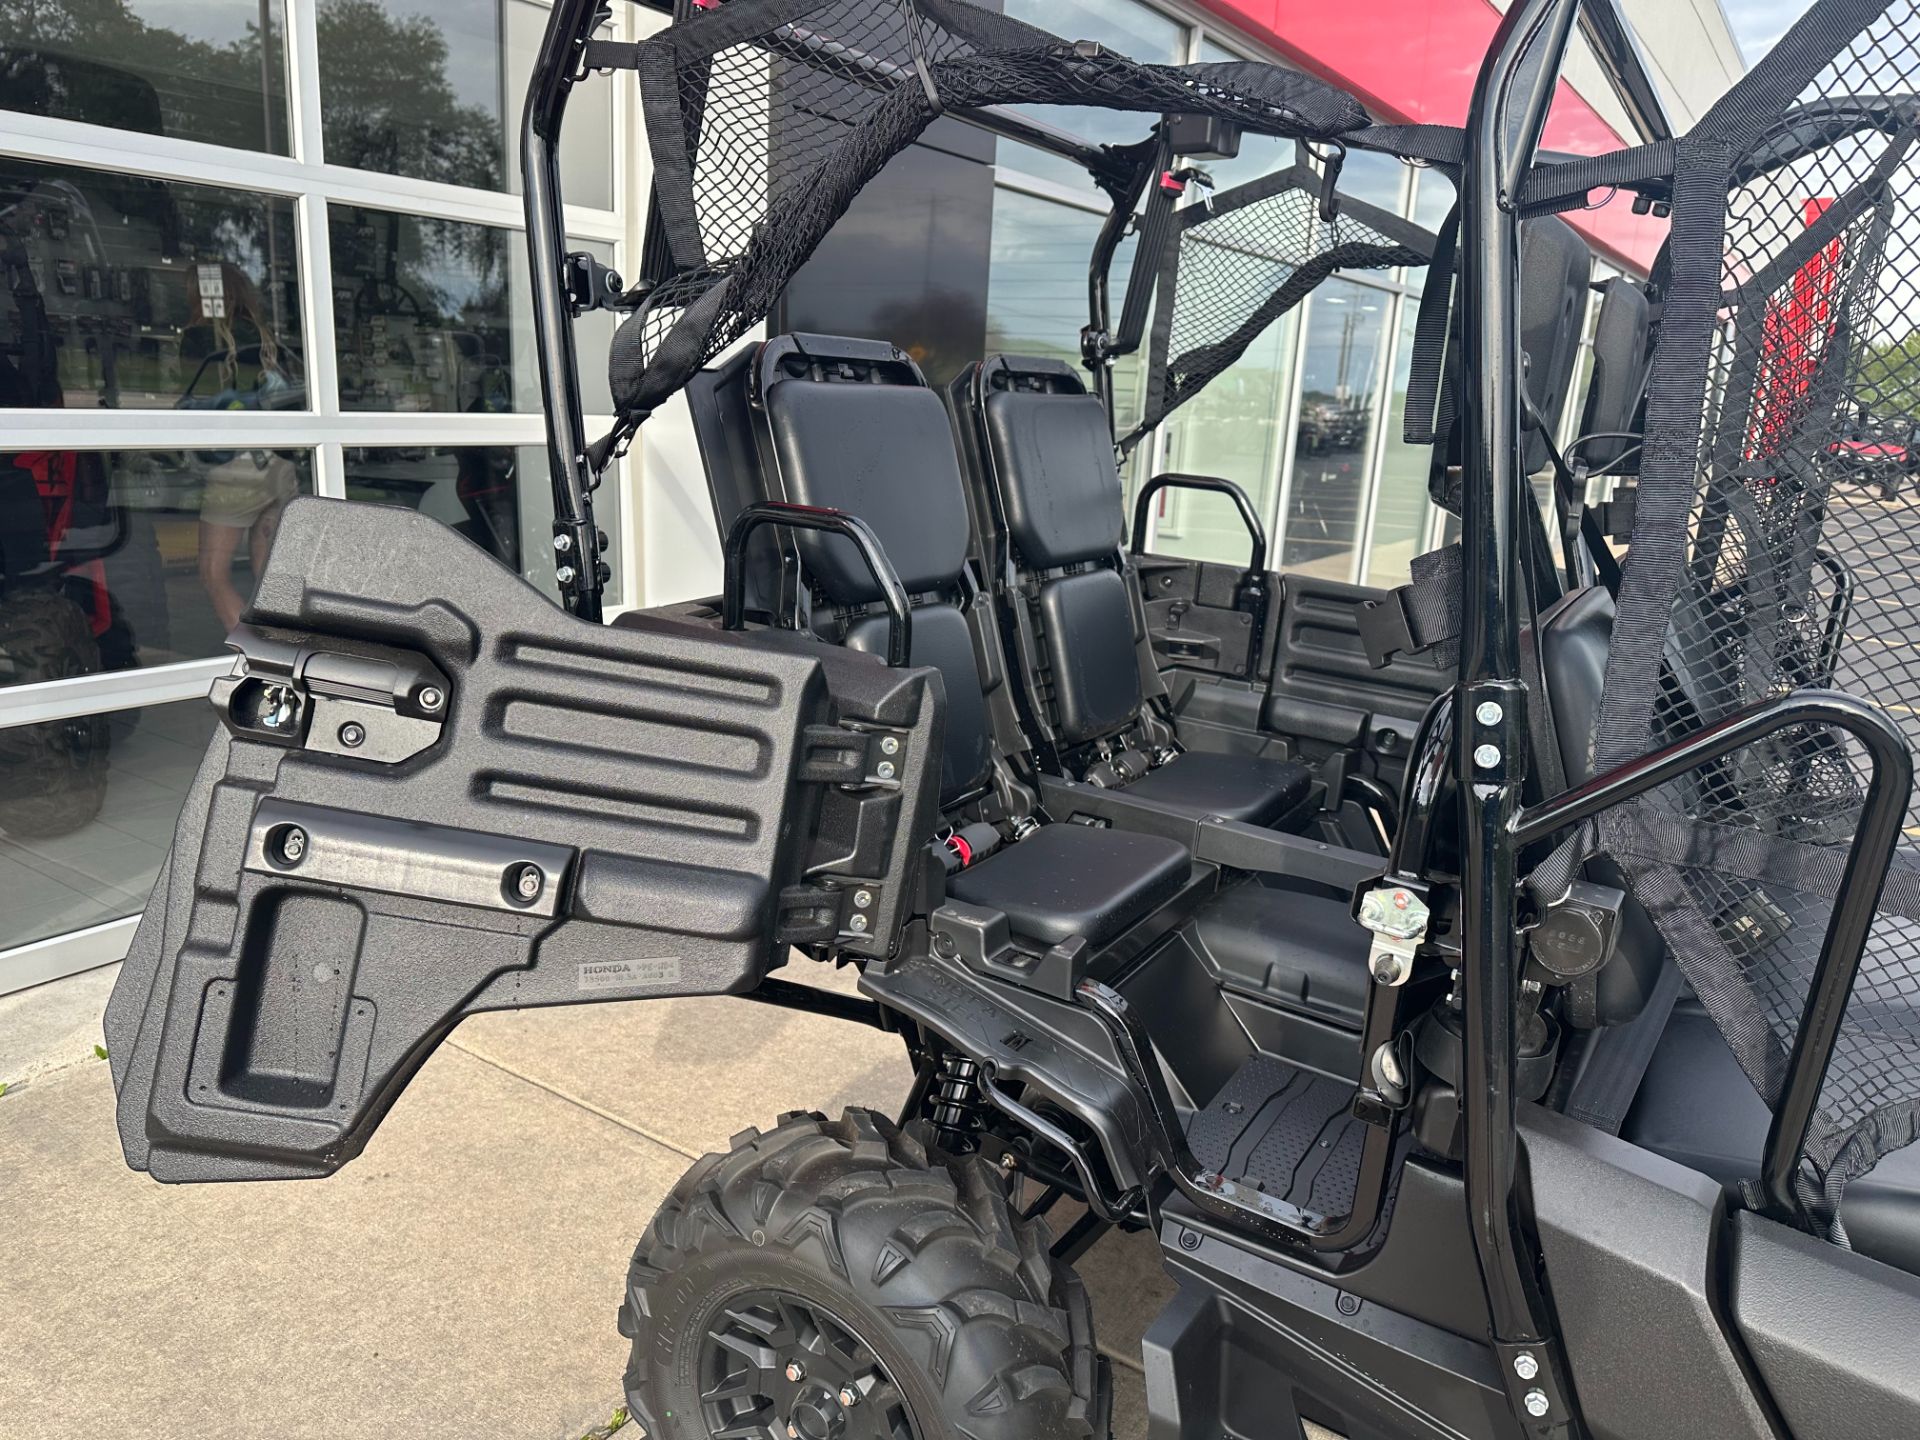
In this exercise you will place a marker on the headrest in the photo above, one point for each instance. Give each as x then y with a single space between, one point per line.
883 452
1053 458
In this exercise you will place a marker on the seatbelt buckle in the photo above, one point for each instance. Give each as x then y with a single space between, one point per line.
1386 629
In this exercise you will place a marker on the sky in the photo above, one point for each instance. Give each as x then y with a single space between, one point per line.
1758 23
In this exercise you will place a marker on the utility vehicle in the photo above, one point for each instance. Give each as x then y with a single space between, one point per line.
1498 995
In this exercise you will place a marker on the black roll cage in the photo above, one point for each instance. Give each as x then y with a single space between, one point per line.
1488 706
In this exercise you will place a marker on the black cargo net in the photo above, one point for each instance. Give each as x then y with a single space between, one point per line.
766 117
1776 546
1241 260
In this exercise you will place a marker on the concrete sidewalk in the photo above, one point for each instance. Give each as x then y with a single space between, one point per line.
459 1278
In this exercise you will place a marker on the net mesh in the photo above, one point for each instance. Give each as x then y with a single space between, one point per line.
1246 257
766 117
1774 548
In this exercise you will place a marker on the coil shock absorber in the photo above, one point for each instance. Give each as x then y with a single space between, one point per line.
956 1105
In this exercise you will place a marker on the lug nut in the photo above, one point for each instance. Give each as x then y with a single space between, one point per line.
293 845
1486 756
352 734
795 1371
1489 713
430 698
849 1397
1536 1403
1525 1366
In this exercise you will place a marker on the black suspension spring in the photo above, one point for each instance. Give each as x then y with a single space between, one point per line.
956 1106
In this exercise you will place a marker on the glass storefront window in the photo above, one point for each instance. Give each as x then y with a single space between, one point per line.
1123 25
435 315
82 840
1400 513
498 496
137 294
433 89
1037 286
1339 371
214 71
122 559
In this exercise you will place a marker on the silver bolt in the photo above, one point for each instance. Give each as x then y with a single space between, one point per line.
281 708
1525 1366
849 1397
1486 756
293 845
862 899
563 543
1009 1161
1489 713
858 924
795 1371
1386 967
885 770
1536 1403
564 574
351 734
529 882
430 698
889 746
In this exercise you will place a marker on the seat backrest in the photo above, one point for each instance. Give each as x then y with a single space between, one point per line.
1044 448
1620 355
852 425
1556 269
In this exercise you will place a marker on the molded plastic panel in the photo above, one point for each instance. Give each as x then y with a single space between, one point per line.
593 813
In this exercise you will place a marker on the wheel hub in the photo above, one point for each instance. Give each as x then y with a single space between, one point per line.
774 1364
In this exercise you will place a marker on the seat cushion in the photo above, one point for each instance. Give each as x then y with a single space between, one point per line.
1251 788
941 640
1067 880
884 453
1096 675
1697 1107
1059 488
1299 950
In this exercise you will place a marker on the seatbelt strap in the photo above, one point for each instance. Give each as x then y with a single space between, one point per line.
1422 615
1618 1057
1429 408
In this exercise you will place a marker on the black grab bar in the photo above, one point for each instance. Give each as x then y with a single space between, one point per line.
1256 563
1888 789
733 611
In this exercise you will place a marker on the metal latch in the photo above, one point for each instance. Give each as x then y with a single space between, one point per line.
1397 915
334 696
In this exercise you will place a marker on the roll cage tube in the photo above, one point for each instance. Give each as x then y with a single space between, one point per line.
576 539
1504 124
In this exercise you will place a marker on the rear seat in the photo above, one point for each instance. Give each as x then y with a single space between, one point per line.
851 425
1053 521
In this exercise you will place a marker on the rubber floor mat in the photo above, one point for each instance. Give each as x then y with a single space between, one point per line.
1287 1130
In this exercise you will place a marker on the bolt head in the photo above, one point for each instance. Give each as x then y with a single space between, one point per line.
564 574
858 924
1525 1366
889 745
1386 968
352 735
563 543
293 845
1536 1403
1489 712
1486 756
795 1371
862 899
529 882
849 1397
885 770
430 698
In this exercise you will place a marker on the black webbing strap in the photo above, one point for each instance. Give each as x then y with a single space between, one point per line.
1423 615
1618 1057
1429 409
610 54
